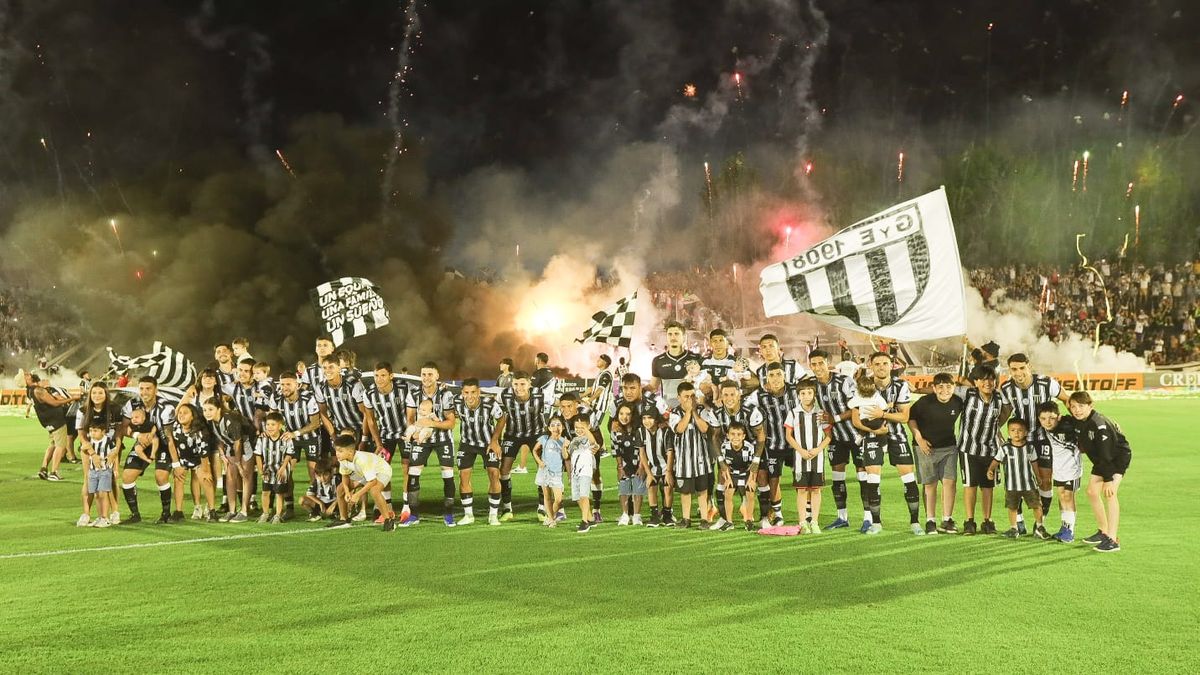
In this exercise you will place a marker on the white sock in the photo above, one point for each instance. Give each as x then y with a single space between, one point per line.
1020 517
1068 519
843 514
867 516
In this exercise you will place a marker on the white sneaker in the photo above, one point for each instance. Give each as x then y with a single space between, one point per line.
359 517
84 520
103 522
720 522
623 520
637 519
467 519
265 517
764 523
520 469
114 517
197 513
875 529
493 519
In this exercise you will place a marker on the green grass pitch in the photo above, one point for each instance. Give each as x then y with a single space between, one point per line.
520 598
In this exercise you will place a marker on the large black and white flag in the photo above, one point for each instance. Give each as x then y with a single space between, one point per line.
171 368
614 324
349 307
895 274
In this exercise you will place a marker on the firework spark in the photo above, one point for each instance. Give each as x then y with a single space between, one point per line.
737 82
689 90
284 162
44 146
1086 154
1129 190
808 167
112 223
1178 100
1137 224
1085 265
1124 102
708 187
1074 175
900 168
787 240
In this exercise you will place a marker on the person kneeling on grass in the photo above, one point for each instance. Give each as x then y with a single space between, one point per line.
581 451
321 497
274 456
362 473
1020 479
549 453
739 467
101 462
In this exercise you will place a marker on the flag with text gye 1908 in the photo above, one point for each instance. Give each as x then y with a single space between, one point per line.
895 274
349 307
614 324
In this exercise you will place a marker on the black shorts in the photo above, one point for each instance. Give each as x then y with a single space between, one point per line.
776 460
511 447
312 449
899 452
418 455
1072 485
192 461
974 471
468 453
870 451
840 452
739 478
390 448
688 486
135 462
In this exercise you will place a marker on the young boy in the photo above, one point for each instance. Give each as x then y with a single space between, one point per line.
1067 467
273 458
321 497
264 385
1020 480
583 463
366 471
808 441
866 410
145 441
101 462
549 452
739 467
420 435
658 458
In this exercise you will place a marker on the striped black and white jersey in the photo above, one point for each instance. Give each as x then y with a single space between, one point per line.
273 452
191 445
604 381
226 379
299 414
312 375
691 447
658 445
107 445
228 430
774 409
980 420
1018 466
265 392
739 460
648 401
897 393
834 396
526 418
324 491
443 403
793 372
718 369
747 413
806 426
390 409
476 425
243 399
1024 402
341 403
161 415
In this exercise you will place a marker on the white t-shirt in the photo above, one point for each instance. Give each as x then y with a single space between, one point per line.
847 368
583 459
1067 464
870 407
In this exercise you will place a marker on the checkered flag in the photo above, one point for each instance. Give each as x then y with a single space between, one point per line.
349 307
614 324
172 369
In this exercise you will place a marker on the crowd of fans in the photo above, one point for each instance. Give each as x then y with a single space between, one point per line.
1154 309
22 341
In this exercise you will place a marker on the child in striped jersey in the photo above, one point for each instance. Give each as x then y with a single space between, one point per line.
273 458
1020 480
101 462
806 435
657 458
321 497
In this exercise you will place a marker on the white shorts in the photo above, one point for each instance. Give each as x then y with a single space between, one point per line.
384 477
548 478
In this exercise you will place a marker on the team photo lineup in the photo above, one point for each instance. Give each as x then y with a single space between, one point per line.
701 443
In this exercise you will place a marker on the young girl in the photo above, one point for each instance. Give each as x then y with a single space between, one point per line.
230 431
549 453
658 457
209 387
808 440
193 445
631 484
99 408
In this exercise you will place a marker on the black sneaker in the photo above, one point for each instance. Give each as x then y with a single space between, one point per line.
1040 532
338 524
704 525
223 509
948 527
1021 530
213 517
375 514
53 477
749 526
727 526
164 518
1095 539
389 525
683 524
776 521
288 514
969 528
177 517
668 518
988 527
584 526
43 474
655 520
1108 546
930 528
135 518
1011 533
